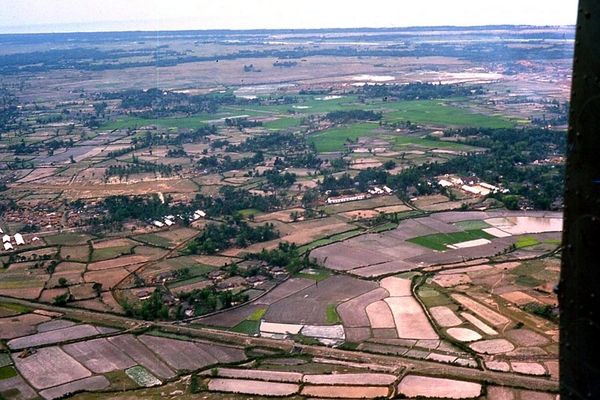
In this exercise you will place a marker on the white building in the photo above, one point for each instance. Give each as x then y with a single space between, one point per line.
8 246
5 238
19 239
343 199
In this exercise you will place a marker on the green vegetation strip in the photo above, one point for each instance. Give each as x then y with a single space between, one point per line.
472 224
334 139
331 315
16 307
439 241
247 326
154 239
257 315
7 372
526 242
316 275
329 240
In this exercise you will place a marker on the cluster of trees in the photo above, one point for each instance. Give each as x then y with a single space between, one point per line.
418 90
344 117
9 112
242 123
208 299
285 64
231 200
124 171
286 255
217 237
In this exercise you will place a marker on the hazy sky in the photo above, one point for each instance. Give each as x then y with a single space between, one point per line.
18 16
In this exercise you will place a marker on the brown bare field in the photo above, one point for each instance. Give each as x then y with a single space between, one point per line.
308 306
393 209
463 334
283 216
50 366
54 325
38 173
357 335
529 368
423 386
230 318
191 286
489 315
497 366
223 354
354 312
52 337
178 235
368 204
177 353
356 214
16 383
382 269
21 325
48 251
75 253
99 355
113 243
117 262
526 338
365 379
345 392
444 316
494 346
48 295
28 293
260 375
133 348
519 298
82 292
250 387
396 287
66 266
287 288
108 278
482 326
112 305
343 256
74 192
93 383
73 278
450 280
217 261
411 322
380 315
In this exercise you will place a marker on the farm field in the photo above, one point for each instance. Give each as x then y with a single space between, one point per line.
302 213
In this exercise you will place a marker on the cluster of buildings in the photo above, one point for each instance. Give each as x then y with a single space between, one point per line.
6 241
471 185
375 191
169 220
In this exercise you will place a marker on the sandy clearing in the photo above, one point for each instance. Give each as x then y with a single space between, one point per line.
271 376
397 287
271 327
466 270
444 316
482 326
335 332
411 322
463 334
519 298
380 315
489 315
450 280
251 387
50 366
528 368
345 392
108 279
113 243
470 243
87 384
351 379
494 346
413 386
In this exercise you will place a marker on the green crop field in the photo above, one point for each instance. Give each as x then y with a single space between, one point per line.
257 315
7 372
334 139
436 112
439 241
154 239
247 326
110 252
331 315
472 224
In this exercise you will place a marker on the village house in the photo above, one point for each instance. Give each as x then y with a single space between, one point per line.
343 199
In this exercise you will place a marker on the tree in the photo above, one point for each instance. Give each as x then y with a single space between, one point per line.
62 282
61 300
